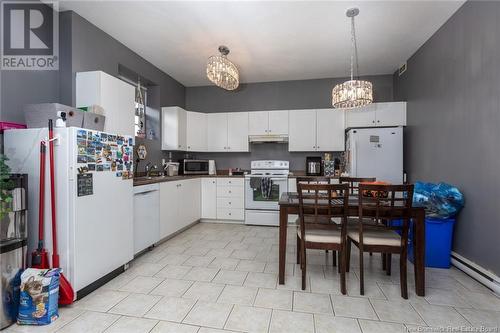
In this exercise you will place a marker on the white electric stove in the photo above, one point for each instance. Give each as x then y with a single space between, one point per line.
261 206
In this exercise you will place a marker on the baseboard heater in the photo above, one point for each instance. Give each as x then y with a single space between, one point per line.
489 279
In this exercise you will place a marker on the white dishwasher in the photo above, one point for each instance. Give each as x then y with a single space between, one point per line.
146 216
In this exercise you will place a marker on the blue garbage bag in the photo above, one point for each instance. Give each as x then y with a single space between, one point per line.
440 201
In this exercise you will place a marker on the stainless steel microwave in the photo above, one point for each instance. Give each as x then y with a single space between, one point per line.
193 167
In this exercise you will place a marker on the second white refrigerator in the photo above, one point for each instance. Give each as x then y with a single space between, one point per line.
375 152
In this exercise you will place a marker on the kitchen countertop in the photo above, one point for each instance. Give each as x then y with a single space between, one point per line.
146 181
295 174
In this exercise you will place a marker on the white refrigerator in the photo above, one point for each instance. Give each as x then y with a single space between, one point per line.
94 198
375 152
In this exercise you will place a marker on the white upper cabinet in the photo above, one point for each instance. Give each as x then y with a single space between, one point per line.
115 96
217 132
302 130
391 114
196 131
278 122
316 130
377 114
227 132
173 129
268 122
258 122
361 117
330 130
237 131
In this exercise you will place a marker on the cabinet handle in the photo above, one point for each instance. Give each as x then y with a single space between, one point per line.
179 146
229 202
373 121
378 121
189 147
229 214
229 191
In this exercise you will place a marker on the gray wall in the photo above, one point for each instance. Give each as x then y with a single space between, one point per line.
282 95
452 86
84 47
300 94
266 151
92 49
22 87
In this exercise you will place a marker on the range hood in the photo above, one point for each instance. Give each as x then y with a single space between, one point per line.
268 138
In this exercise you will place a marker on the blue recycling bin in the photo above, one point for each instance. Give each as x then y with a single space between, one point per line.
438 239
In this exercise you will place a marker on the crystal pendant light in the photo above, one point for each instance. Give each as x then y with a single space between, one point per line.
353 93
222 72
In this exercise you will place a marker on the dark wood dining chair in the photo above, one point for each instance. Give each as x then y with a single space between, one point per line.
316 180
318 204
353 182
381 204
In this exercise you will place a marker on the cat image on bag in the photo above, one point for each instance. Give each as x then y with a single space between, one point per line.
39 294
35 289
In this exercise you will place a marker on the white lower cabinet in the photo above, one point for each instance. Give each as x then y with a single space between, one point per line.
180 205
209 198
223 198
230 199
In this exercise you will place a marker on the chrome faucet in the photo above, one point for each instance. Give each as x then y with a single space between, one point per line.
150 167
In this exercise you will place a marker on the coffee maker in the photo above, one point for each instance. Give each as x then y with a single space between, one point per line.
313 166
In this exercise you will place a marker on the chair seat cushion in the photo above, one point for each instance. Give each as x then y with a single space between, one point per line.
320 219
376 237
321 235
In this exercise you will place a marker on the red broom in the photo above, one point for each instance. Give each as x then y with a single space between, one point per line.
39 257
66 293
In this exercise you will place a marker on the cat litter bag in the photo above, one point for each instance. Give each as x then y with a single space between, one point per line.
39 296
441 201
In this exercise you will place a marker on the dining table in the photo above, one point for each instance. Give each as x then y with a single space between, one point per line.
289 204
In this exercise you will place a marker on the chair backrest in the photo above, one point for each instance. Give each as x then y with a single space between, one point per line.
353 182
319 203
382 204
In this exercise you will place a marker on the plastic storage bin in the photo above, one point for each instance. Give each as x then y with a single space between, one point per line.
438 238
38 115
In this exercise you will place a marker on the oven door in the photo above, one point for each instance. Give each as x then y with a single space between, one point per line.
255 199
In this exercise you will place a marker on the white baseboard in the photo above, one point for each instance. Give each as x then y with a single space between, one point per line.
222 221
489 279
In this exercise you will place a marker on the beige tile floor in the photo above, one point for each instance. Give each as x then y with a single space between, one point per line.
216 278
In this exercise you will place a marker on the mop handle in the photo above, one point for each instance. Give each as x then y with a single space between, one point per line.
55 256
41 199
